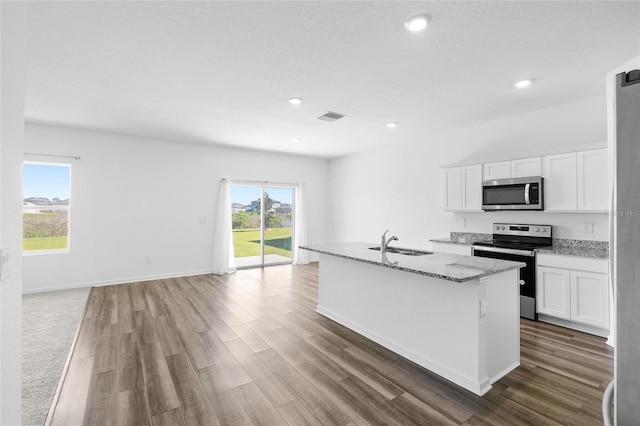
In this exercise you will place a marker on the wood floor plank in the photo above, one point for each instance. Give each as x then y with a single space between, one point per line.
160 391
106 356
257 406
129 364
102 407
132 407
250 349
193 401
168 418
168 335
73 395
233 372
224 403
316 403
271 386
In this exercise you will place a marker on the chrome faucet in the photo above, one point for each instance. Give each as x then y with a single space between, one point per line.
384 243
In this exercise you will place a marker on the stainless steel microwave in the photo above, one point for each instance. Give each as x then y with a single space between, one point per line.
513 194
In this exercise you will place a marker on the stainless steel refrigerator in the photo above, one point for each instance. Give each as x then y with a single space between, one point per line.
625 240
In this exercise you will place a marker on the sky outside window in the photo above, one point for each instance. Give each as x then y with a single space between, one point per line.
46 181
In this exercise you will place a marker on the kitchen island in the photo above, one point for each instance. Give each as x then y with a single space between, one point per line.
457 316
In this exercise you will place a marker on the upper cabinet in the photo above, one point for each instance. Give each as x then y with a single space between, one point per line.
573 181
463 188
513 169
576 181
526 167
593 190
560 186
499 170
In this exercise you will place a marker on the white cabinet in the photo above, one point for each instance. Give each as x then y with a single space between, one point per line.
593 191
460 249
523 167
472 188
573 289
526 167
576 181
453 189
499 170
463 188
560 184
554 289
590 298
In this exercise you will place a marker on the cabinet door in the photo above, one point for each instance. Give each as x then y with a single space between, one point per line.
500 170
472 188
553 288
525 167
592 180
560 190
590 298
453 189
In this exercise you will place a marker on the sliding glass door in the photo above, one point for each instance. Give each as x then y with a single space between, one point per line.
262 222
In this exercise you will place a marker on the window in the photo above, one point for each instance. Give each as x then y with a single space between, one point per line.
45 213
262 223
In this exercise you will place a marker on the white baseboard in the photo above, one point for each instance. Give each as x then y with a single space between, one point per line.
125 280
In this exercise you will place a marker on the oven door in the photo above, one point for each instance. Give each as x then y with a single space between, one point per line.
527 275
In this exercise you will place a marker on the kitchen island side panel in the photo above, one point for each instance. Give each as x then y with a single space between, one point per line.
433 322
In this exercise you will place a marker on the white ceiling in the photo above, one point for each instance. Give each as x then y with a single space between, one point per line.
222 72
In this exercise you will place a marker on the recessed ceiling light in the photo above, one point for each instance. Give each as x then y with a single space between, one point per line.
417 23
392 124
296 140
523 83
295 101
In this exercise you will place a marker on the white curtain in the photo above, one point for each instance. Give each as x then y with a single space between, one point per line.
223 256
300 257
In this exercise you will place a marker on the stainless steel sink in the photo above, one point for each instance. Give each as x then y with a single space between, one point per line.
404 251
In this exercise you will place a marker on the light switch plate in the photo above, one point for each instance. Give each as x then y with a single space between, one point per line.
462 223
5 257
588 228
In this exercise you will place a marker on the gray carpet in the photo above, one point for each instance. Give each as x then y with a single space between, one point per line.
49 323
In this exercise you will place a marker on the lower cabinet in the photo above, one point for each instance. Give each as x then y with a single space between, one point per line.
573 289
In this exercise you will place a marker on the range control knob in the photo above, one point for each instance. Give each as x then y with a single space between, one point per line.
537 229
544 229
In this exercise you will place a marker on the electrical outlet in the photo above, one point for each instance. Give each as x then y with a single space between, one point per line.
588 228
203 221
462 223
147 260
5 271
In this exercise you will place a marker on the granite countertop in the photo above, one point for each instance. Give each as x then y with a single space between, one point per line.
578 250
449 267
561 246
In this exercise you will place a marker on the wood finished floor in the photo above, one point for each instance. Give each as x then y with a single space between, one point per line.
249 349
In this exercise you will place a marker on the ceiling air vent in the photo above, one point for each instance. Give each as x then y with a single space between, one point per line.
331 116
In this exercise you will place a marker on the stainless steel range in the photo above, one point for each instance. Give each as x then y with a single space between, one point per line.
518 242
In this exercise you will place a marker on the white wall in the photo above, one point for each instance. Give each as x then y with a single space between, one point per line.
133 198
12 60
400 186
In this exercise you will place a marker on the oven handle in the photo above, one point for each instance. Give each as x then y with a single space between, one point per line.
504 250
527 188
